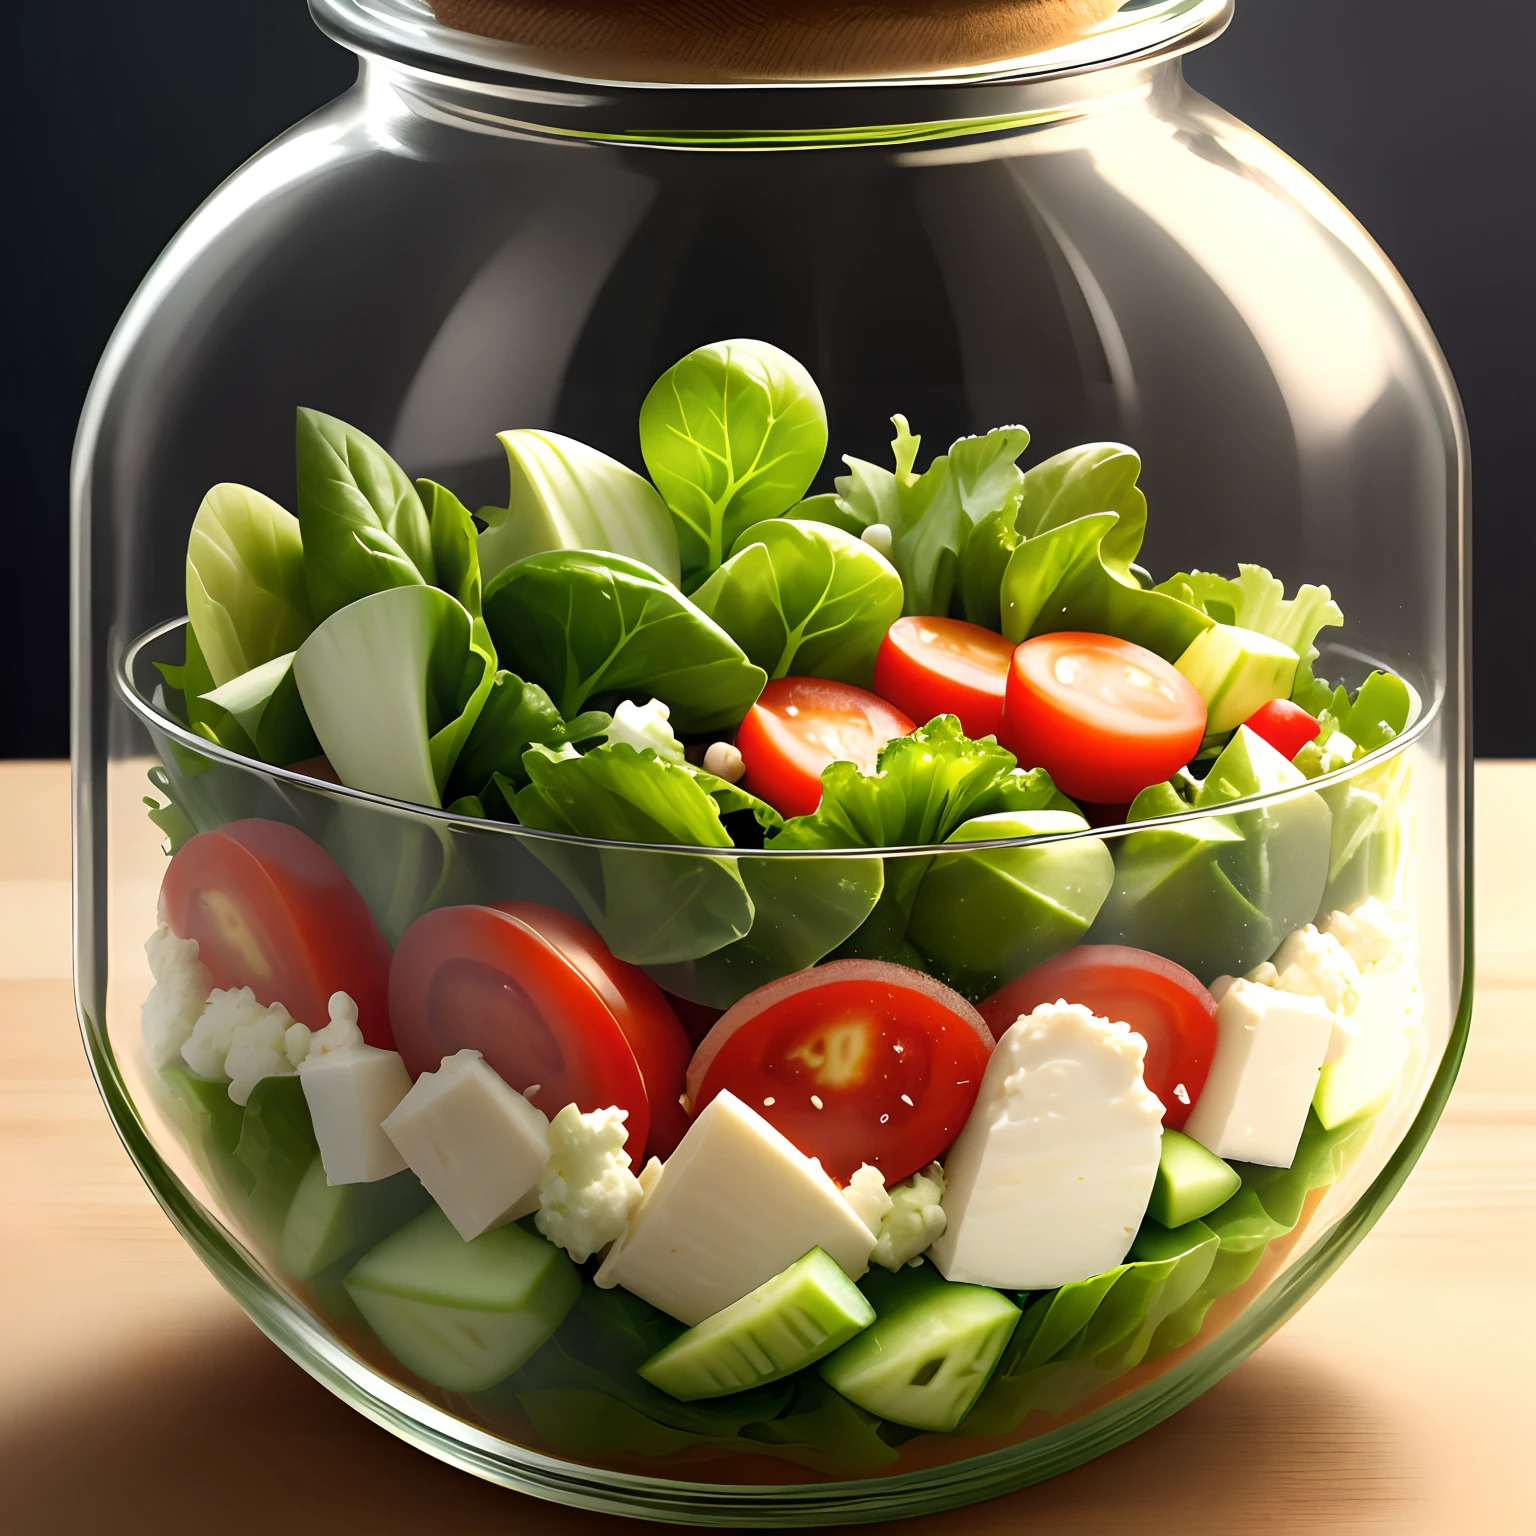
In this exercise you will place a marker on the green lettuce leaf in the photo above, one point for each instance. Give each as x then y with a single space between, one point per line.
246 597
364 527
194 681
1256 600
393 684
565 495
931 516
579 622
804 598
455 545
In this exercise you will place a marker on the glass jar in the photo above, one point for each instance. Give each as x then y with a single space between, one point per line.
1075 241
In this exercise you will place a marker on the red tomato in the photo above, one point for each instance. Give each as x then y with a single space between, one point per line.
1161 1001
271 910
930 666
1103 717
475 978
650 1025
855 1062
1287 727
799 725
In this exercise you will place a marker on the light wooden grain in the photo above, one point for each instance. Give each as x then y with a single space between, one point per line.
135 1396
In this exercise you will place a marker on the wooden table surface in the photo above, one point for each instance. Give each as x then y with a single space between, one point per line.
136 1397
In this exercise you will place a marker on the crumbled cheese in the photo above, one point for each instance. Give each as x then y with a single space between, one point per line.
878 537
233 1021
725 762
866 1193
587 1191
182 985
1368 932
342 1033
1313 964
915 1220
643 726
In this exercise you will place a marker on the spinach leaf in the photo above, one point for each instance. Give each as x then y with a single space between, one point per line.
577 622
455 545
931 516
516 716
565 495
1095 477
732 433
651 907
246 596
365 529
805 598
194 682
393 684
265 703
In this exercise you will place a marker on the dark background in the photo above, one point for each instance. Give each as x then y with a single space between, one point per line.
1415 113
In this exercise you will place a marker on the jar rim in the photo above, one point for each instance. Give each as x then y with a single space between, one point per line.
408 33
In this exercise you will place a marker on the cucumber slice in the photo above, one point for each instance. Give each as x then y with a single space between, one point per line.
931 1350
1191 1182
462 1315
786 1324
326 1222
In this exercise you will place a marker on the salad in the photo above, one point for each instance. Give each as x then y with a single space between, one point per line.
842 1078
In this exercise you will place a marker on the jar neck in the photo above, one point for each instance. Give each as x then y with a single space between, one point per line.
492 85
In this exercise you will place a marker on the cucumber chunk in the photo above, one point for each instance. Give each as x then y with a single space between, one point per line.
931 1350
462 1315
326 1222
1191 1182
786 1324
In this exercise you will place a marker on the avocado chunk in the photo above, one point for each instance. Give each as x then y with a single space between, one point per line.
1191 1182
932 1348
987 916
326 1222
463 1316
786 1324
1237 671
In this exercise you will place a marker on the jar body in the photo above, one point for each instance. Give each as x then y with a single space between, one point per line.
1135 267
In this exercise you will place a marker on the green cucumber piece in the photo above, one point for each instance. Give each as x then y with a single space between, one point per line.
786 1324
326 1222
1237 671
463 1316
1191 1181
932 1348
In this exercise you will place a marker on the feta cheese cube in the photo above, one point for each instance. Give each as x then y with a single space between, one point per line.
587 1190
478 1146
1270 1047
351 1089
1367 932
1050 1178
866 1195
734 1205
1313 964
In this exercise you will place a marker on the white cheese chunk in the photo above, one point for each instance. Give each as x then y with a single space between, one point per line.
645 725
1367 931
1386 1020
587 1190
915 1220
1270 1046
866 1194
351 1089
182 985
734 1205
1050 1178
1313 964
478 1146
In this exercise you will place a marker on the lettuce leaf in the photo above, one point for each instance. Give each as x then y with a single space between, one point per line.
931 515
1256 600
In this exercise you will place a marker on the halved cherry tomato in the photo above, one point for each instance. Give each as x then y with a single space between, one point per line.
475 978
799 725
271 910
855 1062
933 666
1103 717
661 1045
1287 727
1161 1001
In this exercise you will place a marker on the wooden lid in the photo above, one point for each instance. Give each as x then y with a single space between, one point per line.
738 41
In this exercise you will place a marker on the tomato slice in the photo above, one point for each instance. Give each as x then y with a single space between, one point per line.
859 1061
271 910
1103 717
1161 1001
475 978
1287 727
799 725
933 666
661 1045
